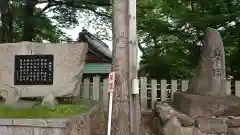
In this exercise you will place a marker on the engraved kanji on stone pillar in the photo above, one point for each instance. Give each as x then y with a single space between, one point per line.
210 78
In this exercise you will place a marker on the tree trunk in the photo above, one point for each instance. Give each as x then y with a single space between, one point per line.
3 30
4 10
121 114
29 22
9 23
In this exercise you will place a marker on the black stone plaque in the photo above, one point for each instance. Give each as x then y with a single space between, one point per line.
33 70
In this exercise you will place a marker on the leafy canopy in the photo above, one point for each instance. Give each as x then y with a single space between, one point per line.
172 32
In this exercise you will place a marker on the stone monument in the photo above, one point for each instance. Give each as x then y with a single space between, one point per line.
206 95
40 70
205 108
210 78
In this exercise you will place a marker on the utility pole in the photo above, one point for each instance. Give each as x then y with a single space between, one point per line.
126 108
135 112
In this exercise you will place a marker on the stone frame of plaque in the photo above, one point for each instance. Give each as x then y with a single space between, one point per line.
33 70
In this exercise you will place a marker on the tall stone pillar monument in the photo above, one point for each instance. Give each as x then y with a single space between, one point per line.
210 78
206 94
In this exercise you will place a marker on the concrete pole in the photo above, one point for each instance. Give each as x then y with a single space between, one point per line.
136 128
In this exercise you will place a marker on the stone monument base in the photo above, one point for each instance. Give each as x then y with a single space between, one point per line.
199 105
169 121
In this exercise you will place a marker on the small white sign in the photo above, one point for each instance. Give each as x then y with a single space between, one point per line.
135 86
111 79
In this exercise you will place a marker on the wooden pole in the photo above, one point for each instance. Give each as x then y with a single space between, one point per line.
121 97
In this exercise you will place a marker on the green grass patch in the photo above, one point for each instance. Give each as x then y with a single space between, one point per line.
39 111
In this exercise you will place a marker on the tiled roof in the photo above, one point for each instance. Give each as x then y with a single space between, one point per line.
95 42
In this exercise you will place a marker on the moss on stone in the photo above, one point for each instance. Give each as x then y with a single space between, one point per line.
186 121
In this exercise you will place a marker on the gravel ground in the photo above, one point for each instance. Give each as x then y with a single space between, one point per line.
147 124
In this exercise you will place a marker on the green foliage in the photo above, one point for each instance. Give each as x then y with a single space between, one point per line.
35 25
173 31
67 14
45 30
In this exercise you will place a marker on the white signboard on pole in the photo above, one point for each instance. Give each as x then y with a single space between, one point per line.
111 79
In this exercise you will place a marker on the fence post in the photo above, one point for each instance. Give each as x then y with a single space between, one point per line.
228 87
184 85
174 86
86 89
96 87
105 92
153 91
143 92
164 90
237 88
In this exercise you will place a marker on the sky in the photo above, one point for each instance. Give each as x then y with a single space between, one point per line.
73 33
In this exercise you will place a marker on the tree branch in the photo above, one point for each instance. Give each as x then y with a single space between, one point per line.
44 9
70 3
42 1
97 13
83 2
96 3
50 4
141 48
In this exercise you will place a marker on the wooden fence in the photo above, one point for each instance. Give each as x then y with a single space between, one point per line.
150 90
